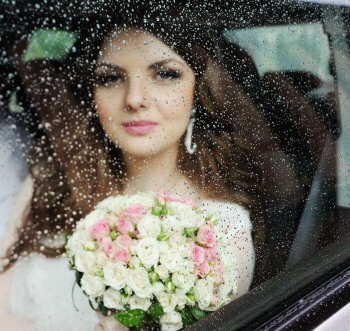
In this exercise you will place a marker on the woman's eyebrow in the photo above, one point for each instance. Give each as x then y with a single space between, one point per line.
164 62
106 65
155 65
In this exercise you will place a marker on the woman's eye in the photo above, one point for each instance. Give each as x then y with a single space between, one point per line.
167 74
109 79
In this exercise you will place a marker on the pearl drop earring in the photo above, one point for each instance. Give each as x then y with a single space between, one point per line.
190 147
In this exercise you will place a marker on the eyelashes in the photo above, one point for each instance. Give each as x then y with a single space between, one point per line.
168 74
109 79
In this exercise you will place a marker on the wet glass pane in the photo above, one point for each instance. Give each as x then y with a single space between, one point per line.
157 162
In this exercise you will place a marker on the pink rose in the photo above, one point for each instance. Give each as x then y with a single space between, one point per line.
206 235
166 197
123 241
211 254
106 245
202 269
198 255
100 229
122 255
134 212
124 226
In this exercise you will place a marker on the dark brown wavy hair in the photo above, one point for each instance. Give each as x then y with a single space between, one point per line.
73 164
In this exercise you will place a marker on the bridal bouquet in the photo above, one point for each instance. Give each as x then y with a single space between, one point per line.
152 259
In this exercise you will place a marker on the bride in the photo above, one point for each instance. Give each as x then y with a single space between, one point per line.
148 111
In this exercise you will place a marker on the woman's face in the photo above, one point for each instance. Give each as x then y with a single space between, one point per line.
144 93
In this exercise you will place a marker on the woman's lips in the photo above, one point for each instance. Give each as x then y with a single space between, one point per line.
138 128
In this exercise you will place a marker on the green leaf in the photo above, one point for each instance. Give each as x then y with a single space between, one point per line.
90 247
156 310
131 318
189 232
102 309
113 235
169 286
78 277
164 211
99 273
190 299
197 313
163 236
153 277
66 238
187 317
71 259
156 211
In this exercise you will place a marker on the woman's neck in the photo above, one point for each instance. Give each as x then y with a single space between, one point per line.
156 173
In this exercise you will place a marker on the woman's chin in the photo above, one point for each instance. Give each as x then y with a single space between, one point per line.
141 151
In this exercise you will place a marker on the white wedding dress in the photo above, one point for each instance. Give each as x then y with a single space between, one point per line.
41 288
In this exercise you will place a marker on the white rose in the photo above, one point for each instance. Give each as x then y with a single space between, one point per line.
138 281
167 301
187 266
101 259
115 274
147 250
80 225
228 289
80 240
86 262
178 241
162 272
134 262
186 215
181 298
112 299
139 303
201 221
144 199
93 217
171 259
149 226
184 281
163 245
158 287
203 292
93 286
132 247
171 321
171 224
114 204
112 220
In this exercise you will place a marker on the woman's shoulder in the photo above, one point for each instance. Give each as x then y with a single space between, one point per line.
230 214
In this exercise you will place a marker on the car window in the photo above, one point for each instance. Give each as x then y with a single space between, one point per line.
297 47
265 142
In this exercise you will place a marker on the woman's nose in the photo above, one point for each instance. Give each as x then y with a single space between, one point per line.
136 94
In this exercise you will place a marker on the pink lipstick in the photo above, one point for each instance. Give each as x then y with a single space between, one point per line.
139 128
